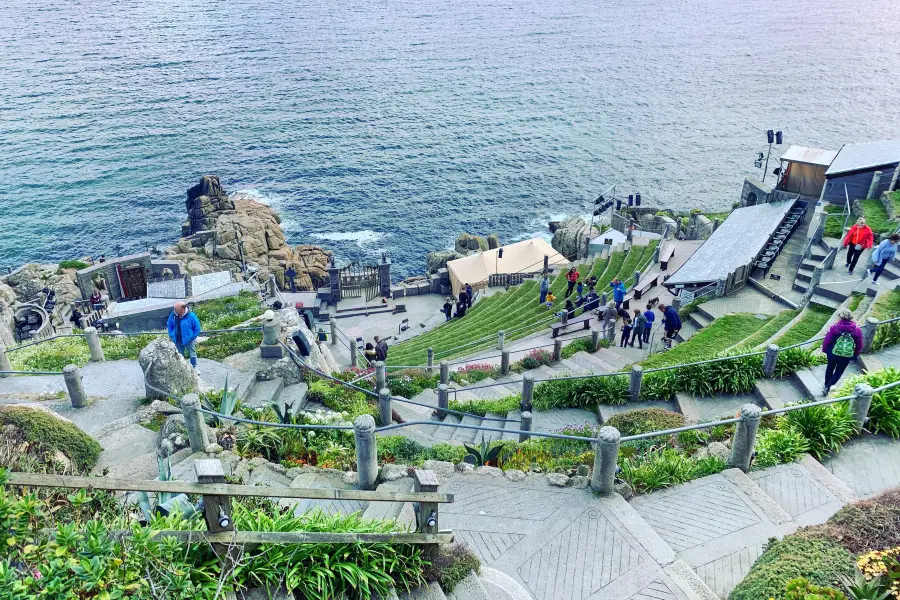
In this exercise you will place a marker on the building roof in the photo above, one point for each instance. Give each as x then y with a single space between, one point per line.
810 156
526 256
859 157
736 242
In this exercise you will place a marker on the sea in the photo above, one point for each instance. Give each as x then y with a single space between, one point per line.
395 125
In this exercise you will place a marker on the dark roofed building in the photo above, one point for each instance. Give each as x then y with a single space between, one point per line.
857 166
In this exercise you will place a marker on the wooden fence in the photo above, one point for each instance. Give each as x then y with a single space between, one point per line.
217 505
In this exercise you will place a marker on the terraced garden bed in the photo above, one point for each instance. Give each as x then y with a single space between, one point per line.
770 329
814 318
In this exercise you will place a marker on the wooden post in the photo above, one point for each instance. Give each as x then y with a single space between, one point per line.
427 519
216 508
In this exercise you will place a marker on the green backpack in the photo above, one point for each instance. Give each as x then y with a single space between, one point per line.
845 346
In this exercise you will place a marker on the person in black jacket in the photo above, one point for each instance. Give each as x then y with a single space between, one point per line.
468 296
448 309
381 349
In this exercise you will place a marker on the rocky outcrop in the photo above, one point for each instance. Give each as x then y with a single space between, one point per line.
221 229
570 238
439 259
28 281
166 370
466 243
7 299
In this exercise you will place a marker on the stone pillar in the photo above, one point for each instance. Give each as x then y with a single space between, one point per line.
745 437
504 362
637 278
354 358
715 224
546 263
820 227
525 425
604 299
876 179
557 350
188 286
443 399
384 406
380 375
366 451
384 277
634 382
430 361
606 458
656 254
609 326
720 288
74 385
334 331
271 286
4 362
445 373
527 391
770 360
501 338
270 348
194 422
565 317
334 284
860 403
676 302
869 329
93 341
595 340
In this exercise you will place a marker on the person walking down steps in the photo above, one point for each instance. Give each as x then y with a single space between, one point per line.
640 328
381 349
626 330
184 327
448 309
842 343
648 314
882 255
858 239
545 288
571 278
619 291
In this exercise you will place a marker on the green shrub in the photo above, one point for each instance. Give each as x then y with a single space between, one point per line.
884 412
567 392
401 450
499 406
537 358
709 342
819 560
579 345
826 427
792 360
779 445
409 383
645 420
868 524
451 565
51 433
654 470
73 264
802 589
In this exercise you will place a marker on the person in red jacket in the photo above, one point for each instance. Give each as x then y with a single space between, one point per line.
857 240
571 278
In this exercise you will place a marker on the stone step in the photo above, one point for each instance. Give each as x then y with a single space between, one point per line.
700 309
466 436
699 319
826 300
688 329
490 436
808 383
388 511
470 588
568 366
264 393
804 275
834 294
512 425
444 434
487 393
591 363
800 286
544 372
617 361
430 591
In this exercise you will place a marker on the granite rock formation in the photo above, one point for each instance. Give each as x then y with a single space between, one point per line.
466 243
222 229
439 259
570 238
166 370
7 299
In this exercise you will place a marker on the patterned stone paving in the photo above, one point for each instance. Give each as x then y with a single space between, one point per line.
792 488
868 464
489 546
658 590
722 574
494 499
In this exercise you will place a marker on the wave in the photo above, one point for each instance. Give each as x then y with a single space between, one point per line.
362 238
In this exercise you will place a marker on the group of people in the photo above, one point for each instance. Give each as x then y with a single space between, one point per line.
377 351
637 326
463 303
860 238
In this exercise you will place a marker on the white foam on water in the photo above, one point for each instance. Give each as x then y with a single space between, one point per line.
362 238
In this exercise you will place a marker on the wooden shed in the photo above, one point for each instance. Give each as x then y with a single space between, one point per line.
862 168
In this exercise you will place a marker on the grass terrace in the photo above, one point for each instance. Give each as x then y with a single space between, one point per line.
814 318
515 311
771 328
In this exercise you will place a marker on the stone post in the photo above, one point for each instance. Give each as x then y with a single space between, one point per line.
595 340
745 437
380 374
546 263
384 406
430 361
813 284
676 302
634 382
366 452
501 338
860 403
557 350
820 227
334 284
606 459
565 317
271 286
4 362
637 278
443 399
188 286
194 422
609 326
876 179
720 288
656 255
527 391
525 425
445 373
354 352
715 224
384 277
829 258
504 362
870 328
334 333
770 360
93 341
270 329
604 299
74 385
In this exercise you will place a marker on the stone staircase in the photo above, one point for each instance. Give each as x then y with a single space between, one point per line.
260 394
697 320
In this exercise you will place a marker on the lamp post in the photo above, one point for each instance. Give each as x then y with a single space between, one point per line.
601 204
774 137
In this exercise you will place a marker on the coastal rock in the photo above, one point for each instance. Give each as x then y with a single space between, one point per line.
439 259
166 370
172 429
570 237
7 299
466 243
493 241
442 468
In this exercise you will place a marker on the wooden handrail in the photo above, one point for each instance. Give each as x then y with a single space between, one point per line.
219 489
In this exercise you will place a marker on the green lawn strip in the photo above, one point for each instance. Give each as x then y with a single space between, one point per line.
855 299
834 226
887 305
895 200
876 216
770 329
813 319
709 341
599 267
631 262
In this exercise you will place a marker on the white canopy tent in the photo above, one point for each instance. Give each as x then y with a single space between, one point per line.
522 257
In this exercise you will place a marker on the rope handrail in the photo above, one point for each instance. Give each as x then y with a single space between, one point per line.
31 372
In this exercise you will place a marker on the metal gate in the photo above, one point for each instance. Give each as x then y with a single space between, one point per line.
358 279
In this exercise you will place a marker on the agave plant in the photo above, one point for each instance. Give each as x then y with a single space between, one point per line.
483 455
284 412
860 589
227 404
227 437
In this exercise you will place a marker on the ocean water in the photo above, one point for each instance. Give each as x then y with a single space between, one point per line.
395 125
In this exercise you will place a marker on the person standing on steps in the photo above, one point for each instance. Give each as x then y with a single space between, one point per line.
626 330
468 296
448 309
618 289
291 275
571 277
609 320
550 299
650 317
369 353
381 349
184 327
463 299
858 239
545 288
842 343
671 323
640 328
579 288
883 254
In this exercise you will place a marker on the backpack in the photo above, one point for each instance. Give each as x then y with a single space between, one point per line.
844 346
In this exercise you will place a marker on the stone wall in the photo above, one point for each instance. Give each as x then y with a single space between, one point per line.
86 278
754 192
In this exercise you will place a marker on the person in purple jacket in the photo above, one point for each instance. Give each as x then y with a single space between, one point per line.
843 343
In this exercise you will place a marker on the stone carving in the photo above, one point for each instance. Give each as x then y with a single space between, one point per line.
166 370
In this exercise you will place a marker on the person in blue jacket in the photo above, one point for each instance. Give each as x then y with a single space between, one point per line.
545 287
650 318
671 322
184 327
882 255
618 290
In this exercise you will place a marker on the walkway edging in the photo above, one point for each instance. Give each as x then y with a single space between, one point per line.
776 514
689 582
827 480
